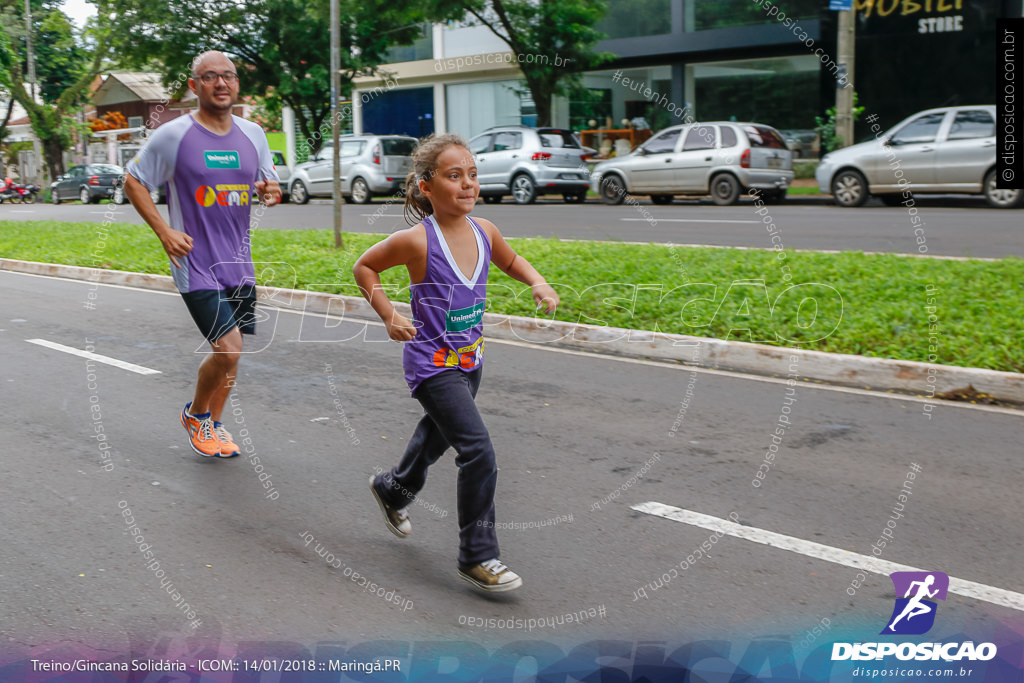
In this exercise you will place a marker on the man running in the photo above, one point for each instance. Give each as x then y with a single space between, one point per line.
210 162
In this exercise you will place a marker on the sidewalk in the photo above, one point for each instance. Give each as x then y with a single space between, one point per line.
877 374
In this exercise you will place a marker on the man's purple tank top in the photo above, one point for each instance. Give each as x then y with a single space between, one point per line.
448 309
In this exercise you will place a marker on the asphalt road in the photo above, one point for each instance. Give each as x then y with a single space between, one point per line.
948 226
580 439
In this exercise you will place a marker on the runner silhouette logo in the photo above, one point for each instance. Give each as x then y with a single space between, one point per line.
914 612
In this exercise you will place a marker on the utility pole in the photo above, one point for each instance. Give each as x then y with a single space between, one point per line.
845 42
30 58
335 115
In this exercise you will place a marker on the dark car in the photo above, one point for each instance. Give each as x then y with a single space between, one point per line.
88 183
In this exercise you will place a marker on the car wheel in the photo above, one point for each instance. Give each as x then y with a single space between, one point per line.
1001 199
523 189
662 199
118 196
613 190
84 197
54 197
574 197
298 192
891 199
492 199
849 189
725 189
360 191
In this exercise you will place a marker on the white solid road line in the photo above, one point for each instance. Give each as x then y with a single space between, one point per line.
124 365
690 220
970 589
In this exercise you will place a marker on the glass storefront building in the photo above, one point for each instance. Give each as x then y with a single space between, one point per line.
773 61
769 61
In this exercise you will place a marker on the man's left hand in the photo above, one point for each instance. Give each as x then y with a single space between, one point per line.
269 192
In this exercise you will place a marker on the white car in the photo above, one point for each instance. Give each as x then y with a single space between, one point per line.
722 158
283 172
950 150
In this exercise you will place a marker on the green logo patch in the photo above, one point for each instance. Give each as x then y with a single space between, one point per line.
225 159
464 318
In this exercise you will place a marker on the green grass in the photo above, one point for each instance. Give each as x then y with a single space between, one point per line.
803 190
978 305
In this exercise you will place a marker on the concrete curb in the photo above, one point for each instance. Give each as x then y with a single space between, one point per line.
859 371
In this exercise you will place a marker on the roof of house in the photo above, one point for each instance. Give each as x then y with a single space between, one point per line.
130 86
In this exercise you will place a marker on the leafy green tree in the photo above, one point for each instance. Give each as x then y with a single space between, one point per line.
65 66
282 47
552 39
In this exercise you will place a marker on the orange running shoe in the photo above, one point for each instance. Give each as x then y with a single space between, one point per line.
201 436
228 447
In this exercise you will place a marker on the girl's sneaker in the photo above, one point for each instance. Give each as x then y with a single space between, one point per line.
396 520
201 436
492 576
228 447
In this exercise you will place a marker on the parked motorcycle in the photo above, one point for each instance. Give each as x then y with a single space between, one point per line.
25 194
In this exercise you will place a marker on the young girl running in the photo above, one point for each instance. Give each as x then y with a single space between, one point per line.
447 254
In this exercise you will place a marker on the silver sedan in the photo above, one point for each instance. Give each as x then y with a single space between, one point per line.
949 150
722 158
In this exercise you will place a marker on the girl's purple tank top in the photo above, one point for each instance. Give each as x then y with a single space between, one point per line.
448 309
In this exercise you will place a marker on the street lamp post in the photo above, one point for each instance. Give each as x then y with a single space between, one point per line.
844 90
336 116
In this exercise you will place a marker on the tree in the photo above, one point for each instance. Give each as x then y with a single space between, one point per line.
282 46
62 70
553 40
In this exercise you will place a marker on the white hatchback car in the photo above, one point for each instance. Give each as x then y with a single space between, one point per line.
722 158
950 150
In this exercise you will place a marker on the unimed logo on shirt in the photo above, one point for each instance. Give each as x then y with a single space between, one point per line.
464 318
222 159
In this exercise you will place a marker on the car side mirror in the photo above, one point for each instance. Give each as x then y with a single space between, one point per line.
60 178
641 151
893 142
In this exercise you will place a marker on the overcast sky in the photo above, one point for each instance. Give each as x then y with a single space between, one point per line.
79 11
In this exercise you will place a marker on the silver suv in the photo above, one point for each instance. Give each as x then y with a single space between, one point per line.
371 166
722 158
950 150
527 162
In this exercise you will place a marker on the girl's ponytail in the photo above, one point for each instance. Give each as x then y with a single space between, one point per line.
417 207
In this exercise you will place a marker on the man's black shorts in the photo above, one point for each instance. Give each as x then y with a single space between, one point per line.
218 311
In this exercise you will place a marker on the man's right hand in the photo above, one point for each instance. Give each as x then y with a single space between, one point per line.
176 243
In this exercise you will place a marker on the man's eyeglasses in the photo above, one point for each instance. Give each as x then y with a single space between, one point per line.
211 77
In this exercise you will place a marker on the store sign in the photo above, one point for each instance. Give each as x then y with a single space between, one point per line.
840 5
917 16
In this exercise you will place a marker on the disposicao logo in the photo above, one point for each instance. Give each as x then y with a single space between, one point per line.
914 614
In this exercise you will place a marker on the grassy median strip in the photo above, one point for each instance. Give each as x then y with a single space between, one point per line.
967 313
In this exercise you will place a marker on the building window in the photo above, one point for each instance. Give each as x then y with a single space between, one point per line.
703 15
775 91
134 121
475 107
633 18
422 48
